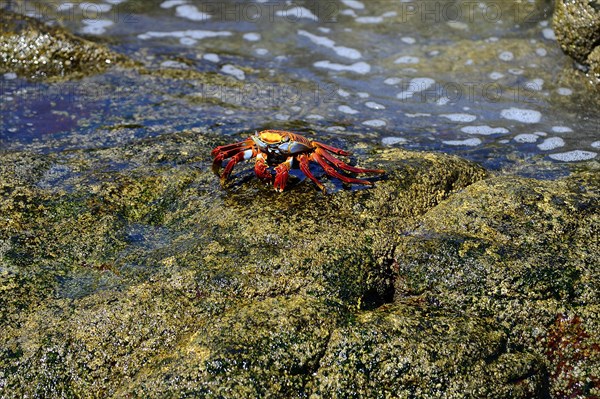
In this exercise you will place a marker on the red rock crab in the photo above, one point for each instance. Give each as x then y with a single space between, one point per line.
284 150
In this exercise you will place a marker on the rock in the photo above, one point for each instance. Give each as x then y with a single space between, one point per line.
525 253
594 61
577 27
415 350
130 271
34 50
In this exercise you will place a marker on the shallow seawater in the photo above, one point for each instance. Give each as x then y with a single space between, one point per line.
484 80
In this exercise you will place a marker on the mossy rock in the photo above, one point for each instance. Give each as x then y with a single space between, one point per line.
524 252
150 279
34 50
577 27
413 349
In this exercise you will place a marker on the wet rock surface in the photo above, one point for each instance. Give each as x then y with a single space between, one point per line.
33 50
130 271
577 27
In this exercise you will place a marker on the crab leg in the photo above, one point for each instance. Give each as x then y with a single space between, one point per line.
332 172
332 149
224 148
234 160
303 160
220 156
344 166
282 173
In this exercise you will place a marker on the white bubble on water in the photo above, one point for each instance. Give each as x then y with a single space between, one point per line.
374 105
374 123
357 5
521 115
551 143
506 56
563 91
526 138
416 85
573 156
252 36
392 140
392 81
407 59
191 12
189 34
173 64
468 142
211 57
347 110
90 8
369 20
548 34
484 130
535 84
459 117
65 7
172 3
233 71
96 26
342 51
361 68
561 129
296 13
348 12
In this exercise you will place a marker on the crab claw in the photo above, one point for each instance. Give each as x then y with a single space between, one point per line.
282 173
261 168
281 177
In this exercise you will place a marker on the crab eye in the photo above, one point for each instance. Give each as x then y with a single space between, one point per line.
285 138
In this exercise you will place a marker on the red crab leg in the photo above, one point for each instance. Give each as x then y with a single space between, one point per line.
303 160
234 160
228 147
332 149
227 154
332 172
282 174
260 168
344 166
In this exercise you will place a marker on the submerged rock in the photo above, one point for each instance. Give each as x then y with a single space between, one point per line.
34 50
130 271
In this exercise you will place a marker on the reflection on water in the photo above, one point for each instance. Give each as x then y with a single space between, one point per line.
485 80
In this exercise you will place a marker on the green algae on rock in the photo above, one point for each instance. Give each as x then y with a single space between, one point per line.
160 227
524 252
577 27
149 279
34 50
411 350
